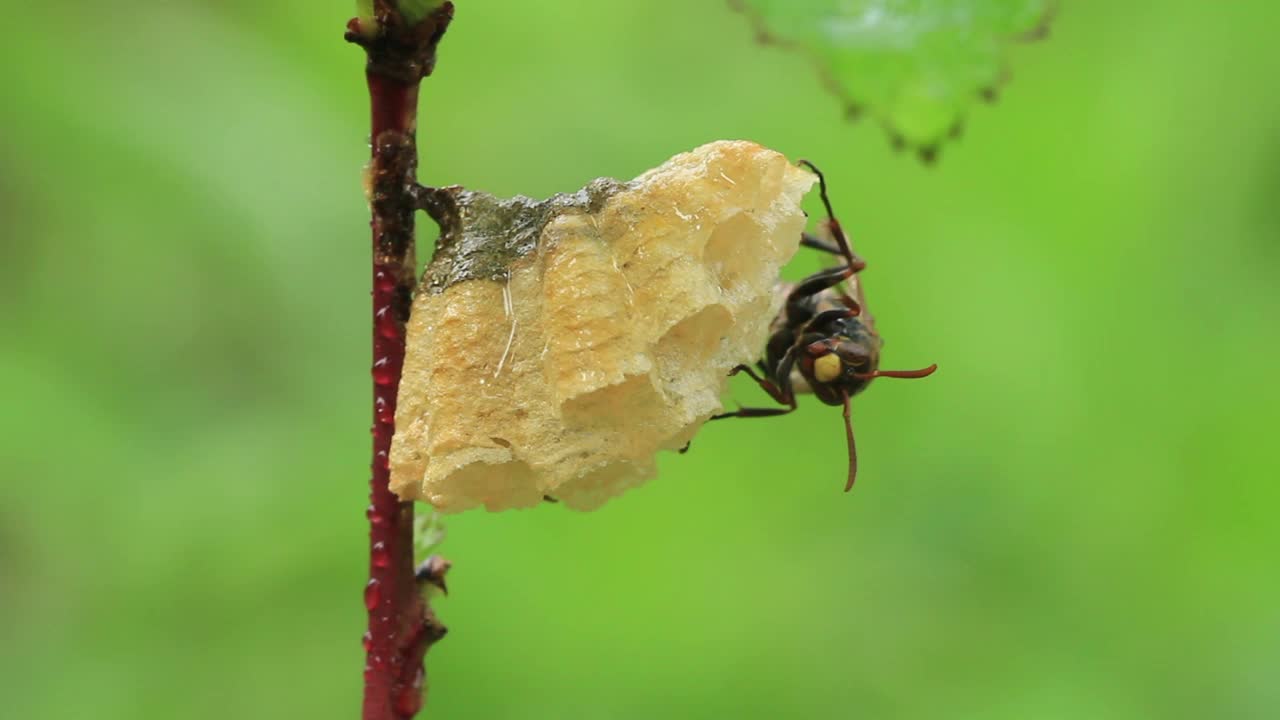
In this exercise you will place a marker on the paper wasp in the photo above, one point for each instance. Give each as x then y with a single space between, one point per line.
823 341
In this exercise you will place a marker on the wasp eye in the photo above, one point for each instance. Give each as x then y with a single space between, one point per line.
828 367
858 364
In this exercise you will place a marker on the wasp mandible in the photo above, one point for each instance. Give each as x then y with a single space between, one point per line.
823 341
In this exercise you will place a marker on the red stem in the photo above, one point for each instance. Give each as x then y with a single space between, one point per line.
401 624
397 613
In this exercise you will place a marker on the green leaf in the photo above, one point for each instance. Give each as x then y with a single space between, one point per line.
913 65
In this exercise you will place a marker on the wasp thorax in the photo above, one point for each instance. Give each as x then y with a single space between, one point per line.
556 346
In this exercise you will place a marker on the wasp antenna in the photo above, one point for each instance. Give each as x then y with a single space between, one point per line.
853 449
906 374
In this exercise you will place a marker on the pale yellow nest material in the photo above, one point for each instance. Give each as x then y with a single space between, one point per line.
606 340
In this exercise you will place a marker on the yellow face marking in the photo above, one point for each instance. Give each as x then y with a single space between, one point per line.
827 368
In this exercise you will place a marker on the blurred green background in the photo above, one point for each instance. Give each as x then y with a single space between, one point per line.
1075 518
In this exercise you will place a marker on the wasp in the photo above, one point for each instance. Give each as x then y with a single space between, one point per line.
823 340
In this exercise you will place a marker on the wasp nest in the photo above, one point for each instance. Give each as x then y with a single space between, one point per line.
555 346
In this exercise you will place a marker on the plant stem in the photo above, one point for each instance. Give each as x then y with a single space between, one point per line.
401 624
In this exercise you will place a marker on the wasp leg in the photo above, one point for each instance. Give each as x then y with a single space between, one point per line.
798 311
765 384
780 391
810 240
825 317
858 264
813 241
754 412
836 231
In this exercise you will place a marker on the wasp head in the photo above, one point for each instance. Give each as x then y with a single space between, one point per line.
841 366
